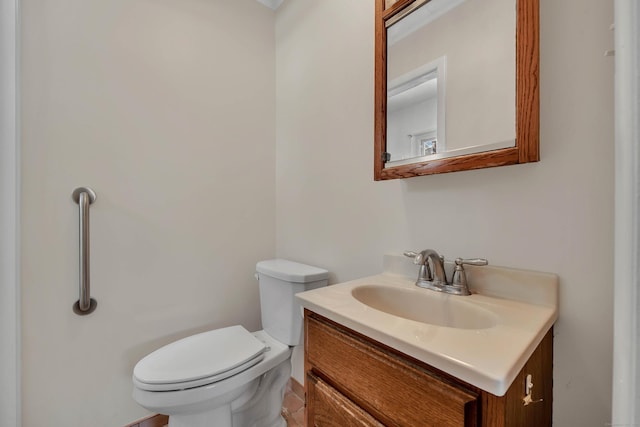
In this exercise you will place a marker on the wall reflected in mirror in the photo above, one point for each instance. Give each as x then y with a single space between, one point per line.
416 113
451 79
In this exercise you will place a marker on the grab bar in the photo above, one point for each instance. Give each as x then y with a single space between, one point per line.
84 196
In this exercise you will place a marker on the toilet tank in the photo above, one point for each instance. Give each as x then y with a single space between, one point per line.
279 281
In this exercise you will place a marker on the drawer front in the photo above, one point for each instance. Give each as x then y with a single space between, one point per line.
327 407
392 390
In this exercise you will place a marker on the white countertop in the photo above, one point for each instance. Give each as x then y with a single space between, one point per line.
524 305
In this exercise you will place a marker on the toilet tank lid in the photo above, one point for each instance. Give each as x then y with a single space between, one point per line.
291 271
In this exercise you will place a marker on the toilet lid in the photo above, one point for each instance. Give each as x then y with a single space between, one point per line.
199 359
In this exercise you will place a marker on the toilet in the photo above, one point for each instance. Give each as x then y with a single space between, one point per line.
230 376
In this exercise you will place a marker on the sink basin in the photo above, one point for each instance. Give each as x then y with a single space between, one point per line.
425 306
484 339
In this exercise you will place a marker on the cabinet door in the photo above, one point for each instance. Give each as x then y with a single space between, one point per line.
327 407
393 390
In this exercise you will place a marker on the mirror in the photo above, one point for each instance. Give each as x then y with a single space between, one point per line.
456 85
416 113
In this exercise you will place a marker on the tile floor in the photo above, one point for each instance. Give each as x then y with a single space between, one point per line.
293 406
151 421
292 409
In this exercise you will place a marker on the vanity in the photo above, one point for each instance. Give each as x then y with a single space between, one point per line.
379 351
456 89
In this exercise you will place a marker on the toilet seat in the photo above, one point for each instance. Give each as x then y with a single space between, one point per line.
199 360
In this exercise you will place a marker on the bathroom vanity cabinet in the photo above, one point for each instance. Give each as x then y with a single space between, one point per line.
352 380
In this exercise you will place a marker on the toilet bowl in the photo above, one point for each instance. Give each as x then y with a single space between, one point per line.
230 377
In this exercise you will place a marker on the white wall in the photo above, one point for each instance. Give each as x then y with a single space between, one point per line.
166 109
9 218
555 215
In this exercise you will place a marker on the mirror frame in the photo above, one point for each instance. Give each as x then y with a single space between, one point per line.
527 147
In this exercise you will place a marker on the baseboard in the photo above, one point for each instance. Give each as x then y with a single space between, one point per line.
297 388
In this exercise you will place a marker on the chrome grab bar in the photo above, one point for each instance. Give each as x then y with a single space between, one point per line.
84 196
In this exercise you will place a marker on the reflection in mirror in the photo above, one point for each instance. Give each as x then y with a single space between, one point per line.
477 39
473 62
416 114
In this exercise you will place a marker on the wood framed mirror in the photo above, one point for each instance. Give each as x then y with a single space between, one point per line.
477 102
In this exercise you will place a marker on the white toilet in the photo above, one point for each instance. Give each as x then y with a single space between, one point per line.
231 377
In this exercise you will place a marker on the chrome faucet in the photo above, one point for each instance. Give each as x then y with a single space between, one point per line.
425 279
438 280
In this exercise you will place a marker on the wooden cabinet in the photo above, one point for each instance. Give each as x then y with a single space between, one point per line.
331 408
352 380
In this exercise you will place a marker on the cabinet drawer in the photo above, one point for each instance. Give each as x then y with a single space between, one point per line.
381 383
331 409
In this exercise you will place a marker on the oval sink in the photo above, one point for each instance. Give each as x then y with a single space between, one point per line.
425 306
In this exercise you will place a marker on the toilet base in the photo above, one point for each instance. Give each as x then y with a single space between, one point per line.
260 405
219 417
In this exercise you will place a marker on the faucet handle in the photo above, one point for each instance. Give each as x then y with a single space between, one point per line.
472 261
418 258
459 279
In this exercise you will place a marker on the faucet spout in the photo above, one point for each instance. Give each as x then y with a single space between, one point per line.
438 280
437 261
